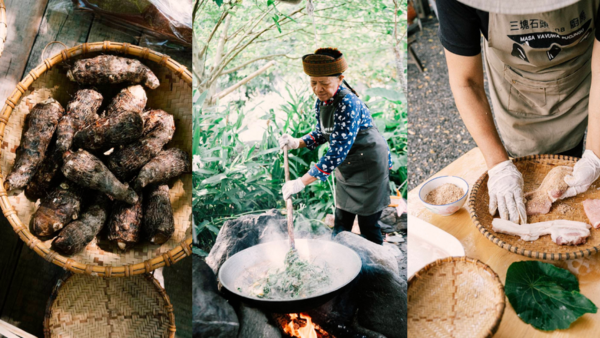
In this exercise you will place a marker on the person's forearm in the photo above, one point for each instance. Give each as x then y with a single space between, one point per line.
466 82
475 111
593 134
302 144
308 179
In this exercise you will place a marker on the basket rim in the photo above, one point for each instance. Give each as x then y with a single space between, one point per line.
61 281
181 251
553 256
500 306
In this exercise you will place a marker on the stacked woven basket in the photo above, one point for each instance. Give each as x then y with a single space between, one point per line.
83 305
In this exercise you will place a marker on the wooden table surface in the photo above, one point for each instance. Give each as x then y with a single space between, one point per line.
470 167
26 279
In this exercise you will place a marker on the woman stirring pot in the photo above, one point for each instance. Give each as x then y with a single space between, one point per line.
357 153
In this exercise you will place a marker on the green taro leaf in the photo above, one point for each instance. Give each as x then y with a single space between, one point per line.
545 296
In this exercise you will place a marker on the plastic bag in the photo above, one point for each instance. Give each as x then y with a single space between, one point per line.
170 19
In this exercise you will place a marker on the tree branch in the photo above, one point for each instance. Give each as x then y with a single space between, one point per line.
223 16
218 71
249 62
245 80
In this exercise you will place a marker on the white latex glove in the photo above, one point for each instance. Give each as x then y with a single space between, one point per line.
288 140
291 188
585 172
505 187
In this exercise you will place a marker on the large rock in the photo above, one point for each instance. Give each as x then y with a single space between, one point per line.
371 254
391 221
213 317
254 323
244 232
381 297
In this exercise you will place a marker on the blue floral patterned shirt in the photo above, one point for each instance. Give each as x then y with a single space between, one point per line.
351 116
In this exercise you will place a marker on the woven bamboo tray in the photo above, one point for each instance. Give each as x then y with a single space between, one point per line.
83 306
455 297
534 168
174 96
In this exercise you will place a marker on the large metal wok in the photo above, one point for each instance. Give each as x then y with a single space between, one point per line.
241 270
244 268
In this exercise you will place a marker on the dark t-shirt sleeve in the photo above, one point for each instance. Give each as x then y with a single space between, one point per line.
460 28
596 22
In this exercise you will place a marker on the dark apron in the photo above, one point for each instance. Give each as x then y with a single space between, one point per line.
363 178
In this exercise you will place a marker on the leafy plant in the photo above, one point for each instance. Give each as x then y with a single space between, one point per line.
232 178
545 296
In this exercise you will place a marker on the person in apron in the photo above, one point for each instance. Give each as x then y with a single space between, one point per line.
538 60
358 153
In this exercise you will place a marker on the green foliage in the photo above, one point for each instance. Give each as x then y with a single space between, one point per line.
545 296
232 178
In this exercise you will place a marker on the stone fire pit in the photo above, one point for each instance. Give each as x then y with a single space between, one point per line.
373 305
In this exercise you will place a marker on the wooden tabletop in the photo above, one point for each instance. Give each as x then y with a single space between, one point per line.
26 279
470 167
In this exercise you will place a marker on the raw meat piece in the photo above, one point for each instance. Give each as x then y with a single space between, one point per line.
159 224
78 234
112 69
166 165
88 171
129 99
125 223
40 125
111 131
56 210
539 201
562 232
592 211
159 128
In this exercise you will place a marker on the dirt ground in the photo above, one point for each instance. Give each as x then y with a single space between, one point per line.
437 135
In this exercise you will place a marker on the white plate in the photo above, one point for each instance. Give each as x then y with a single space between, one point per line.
428 243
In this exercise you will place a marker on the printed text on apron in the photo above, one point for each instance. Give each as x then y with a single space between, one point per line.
539 71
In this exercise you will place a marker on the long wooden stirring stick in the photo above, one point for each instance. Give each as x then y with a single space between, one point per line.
288 202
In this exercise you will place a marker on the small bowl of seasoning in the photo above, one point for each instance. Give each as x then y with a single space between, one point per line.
444 195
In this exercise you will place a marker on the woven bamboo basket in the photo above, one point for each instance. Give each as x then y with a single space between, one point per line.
534 168
455 297
174 95
82 306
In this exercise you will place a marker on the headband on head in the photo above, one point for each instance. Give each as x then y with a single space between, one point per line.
324 62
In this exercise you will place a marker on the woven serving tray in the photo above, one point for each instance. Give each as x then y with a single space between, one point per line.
49 80
455 297
534 168
87 307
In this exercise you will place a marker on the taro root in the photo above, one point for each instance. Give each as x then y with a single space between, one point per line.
56 209
88 171
112 69
166 165
45 178
125 223
40 125
79 233
159 223
81 111
64 134
111 131
129 99
159 127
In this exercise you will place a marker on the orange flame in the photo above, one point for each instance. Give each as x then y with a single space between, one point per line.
306 331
